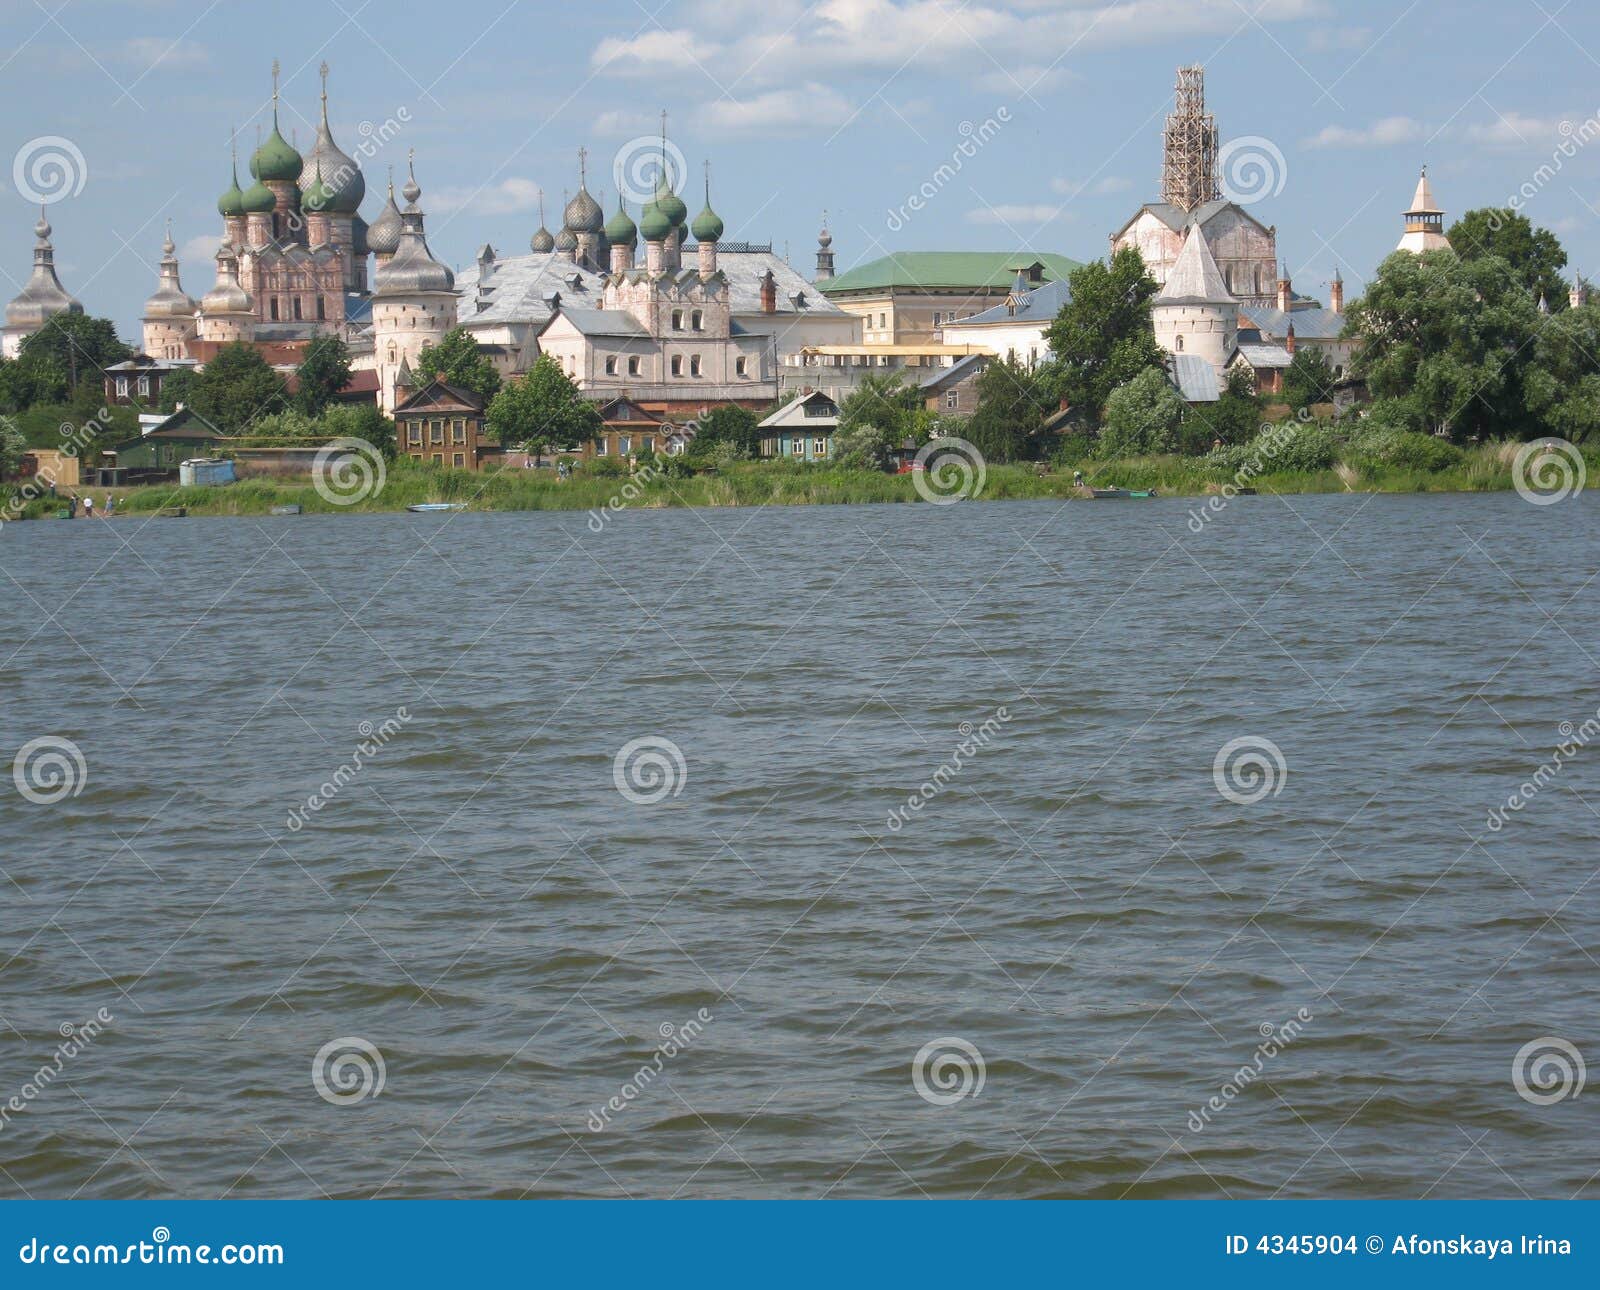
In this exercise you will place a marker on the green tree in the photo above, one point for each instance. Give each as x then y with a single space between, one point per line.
235 387
1309 378
69 351
178 387
885 400
1234 418
1102 338
12 445
324 370
1142 417
1535 255
360 421
542 410
862 447
1011 405
1562 384
457 360
729 424
1451 341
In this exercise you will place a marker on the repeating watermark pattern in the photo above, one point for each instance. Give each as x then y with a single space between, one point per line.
1252 169
1249 768
674 1040
1274 1039
973 139
973 740
1273 438
49 769
651 471
348 1070
948 470
375 136
75 1037
1574 138
348 471
374 739
636 167
1574 739
649 770
1548 1070
948 1070
75 439
48 169
1547 471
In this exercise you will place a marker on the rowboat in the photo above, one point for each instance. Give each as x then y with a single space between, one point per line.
172 512
284 510
424 508
1120 493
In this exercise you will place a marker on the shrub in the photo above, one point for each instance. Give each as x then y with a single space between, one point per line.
1142 417
1388 446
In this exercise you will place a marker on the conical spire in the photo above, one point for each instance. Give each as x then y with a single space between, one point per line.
1195 278
42 296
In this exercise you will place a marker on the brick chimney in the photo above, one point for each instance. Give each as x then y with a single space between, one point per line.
1336 293
1288 341
769 294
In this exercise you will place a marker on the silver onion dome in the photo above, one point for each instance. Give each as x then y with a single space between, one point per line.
42 296
340 174
383 235
170 300
412 270
227 296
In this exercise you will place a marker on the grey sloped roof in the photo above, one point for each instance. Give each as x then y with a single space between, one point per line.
1265 356
958 371
1309 324
1176 218
603 322
1035 307
520 285
1196 379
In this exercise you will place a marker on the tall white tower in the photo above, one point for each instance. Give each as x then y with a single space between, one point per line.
414 302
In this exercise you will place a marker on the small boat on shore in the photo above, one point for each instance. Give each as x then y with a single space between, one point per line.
284 510
1117 494
427 508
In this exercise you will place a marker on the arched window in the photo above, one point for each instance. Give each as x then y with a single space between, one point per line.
391 351
694 365
697 321
677 320
677 364
1177 344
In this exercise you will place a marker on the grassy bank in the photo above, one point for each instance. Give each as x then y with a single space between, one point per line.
1479 469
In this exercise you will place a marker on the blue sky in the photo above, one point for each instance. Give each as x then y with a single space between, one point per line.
848 105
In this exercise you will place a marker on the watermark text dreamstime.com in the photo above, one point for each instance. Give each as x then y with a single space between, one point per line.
374 739
973 740
75 1037
1274 1040
674 1040
1574 739
973 138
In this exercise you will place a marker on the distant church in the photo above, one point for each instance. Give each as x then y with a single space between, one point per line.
1245 249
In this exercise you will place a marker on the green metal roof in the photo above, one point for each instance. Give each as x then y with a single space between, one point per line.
945 269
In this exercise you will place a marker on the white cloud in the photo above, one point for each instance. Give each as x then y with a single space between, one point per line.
1326 40
1517 130
811 107
653 51
508 197
1386 133
1039 213
618 124
199 252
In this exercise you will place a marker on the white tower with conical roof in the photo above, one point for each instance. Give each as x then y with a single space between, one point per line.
413 301
1195 313
1424 221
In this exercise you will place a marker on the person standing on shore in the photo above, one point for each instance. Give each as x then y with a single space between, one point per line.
88 507
72 507
111 505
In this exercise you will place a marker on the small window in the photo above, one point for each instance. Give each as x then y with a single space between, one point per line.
611 365
122 387
297 308
272 308
458 432
391 351
951 399
459 459
624 445
438 459
677 320
647 444
144 385
697 320
694 365
741 367
677 364
436 432
819 447
414 434
600 448
633 367
1177 343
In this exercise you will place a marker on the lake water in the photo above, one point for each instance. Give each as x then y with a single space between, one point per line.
725 992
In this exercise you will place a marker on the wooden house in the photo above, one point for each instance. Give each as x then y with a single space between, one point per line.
802 429
444 424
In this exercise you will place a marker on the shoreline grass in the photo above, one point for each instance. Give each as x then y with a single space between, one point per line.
1483 468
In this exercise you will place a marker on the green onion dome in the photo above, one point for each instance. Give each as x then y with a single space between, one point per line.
707 226
257 199
232 201
654 223
670 203
276 158
620 229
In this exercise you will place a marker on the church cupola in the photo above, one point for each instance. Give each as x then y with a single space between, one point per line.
707 229
169 314
1424 221
824 251
383 236
341 177
226 311
276 161
42 296
623 235
543 241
